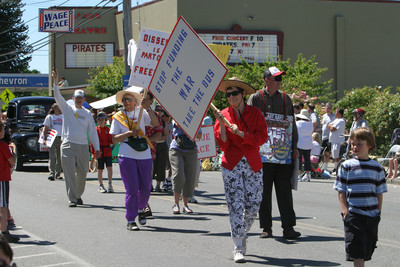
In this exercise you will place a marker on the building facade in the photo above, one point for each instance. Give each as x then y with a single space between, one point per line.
356 40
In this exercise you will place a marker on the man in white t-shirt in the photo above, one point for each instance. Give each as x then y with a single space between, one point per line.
77 122
327 118
336 136
314 118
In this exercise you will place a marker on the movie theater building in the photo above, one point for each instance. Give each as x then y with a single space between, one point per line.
356 40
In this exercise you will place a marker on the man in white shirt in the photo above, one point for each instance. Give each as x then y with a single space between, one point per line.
327 118
336 136
314 118
75 146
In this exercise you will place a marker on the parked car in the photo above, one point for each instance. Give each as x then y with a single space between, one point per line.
25 116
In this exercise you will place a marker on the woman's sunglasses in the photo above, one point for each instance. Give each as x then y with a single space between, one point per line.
234 93
127 99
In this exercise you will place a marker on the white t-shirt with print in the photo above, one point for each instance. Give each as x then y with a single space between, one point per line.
55 122
117 128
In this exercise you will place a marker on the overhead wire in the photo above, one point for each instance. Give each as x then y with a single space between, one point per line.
45 41
81 24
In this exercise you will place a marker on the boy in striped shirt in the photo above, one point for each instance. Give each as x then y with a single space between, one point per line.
360 182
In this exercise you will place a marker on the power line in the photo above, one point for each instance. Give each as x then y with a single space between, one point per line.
44 41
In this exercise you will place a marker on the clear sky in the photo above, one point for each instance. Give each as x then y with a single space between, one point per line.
40 57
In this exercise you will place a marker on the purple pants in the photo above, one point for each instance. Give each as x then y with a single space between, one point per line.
136 175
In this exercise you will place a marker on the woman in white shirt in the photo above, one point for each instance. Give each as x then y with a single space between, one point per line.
135 161
305 129
54 120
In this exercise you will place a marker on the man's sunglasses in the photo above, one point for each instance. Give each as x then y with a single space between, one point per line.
127 99
234 93
276 78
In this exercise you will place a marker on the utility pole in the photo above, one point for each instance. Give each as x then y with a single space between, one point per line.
127 29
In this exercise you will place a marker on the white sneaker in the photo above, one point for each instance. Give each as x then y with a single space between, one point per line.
238 256
102 189
306 178
110 188
299 178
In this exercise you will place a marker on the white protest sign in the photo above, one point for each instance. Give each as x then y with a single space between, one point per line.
186 78
206 146
56 20
50 137
149 50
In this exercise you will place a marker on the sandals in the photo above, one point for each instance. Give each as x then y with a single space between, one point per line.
187 210
175 209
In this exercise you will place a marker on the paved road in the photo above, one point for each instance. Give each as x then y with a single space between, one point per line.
95 234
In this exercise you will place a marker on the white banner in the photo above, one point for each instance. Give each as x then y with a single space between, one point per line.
149 50
186 78
206 146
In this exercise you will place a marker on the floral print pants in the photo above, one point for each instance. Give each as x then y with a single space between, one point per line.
243 192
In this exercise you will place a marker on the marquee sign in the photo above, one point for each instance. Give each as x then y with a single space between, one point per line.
87 55
254 47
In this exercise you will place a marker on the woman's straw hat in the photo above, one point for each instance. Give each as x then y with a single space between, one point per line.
133 90
236 82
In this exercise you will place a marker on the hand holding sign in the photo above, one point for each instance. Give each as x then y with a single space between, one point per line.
186 78
219 116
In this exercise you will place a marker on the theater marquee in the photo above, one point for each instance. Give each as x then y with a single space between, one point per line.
252 46
87 55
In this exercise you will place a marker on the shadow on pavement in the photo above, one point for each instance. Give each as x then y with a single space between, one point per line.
183 217
106 207
35 168
170 230
32 242
310 238
288 261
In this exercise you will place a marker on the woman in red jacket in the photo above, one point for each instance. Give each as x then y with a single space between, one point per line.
241 162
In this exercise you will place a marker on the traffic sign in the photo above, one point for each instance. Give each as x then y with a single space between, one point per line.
7 95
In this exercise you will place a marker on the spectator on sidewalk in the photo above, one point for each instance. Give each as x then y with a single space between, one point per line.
336 136
314 118
327 118
393 166
7 159
305 129
63 82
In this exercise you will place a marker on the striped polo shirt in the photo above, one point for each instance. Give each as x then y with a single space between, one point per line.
362 181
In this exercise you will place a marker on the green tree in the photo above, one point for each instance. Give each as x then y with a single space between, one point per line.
107 80
382 112
303 79
14 48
